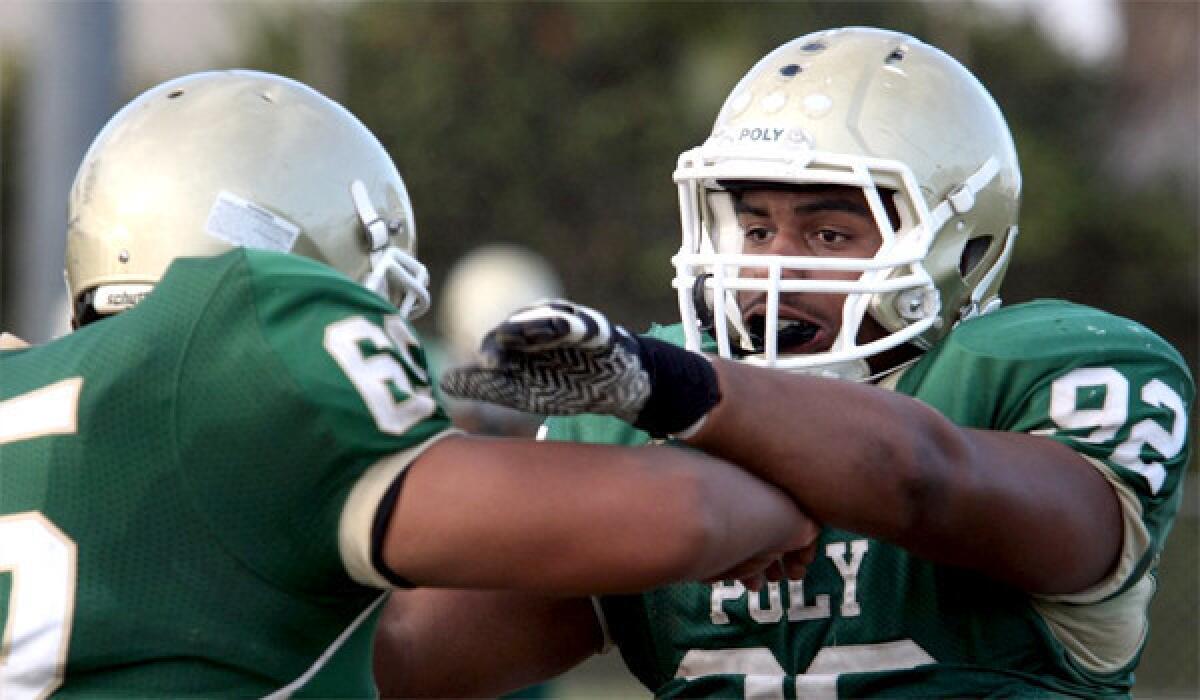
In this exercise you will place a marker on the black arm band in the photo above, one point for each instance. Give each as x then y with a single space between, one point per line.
683 387
379 526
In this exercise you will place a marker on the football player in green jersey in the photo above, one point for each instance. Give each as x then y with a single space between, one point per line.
996 484
206 488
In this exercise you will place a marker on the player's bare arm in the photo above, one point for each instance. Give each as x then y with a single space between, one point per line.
511 639
1021 508
542 517
538 516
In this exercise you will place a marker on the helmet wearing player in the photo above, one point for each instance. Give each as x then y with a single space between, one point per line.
486 285
856 202
280 410
829 132
177 172
481 289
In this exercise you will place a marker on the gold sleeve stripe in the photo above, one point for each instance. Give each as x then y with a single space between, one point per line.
1136 540
358 514
1104 636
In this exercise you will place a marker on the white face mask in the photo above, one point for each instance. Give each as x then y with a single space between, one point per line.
710 264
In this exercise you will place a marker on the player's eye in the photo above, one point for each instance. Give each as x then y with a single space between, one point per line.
758 235
831 238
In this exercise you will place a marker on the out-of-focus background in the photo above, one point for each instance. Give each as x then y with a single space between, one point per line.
554 128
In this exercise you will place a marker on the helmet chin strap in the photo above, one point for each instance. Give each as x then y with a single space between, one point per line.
962 199
394 272
394 269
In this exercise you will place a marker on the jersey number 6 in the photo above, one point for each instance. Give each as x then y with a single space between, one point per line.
385 377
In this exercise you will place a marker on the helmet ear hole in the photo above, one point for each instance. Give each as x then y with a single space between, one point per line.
892 201
84 311
973 253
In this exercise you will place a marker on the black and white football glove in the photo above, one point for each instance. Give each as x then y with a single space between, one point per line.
560 358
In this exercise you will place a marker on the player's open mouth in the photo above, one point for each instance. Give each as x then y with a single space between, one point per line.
793 335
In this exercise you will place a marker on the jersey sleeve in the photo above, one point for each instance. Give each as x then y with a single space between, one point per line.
301 388
1105 386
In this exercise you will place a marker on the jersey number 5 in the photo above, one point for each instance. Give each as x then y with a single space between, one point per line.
37 557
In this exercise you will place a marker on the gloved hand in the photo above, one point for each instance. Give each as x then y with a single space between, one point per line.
561 358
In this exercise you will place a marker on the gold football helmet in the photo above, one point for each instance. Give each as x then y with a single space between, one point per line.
484 287
865 108
209 161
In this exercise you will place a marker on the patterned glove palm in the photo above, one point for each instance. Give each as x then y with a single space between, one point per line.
556 358
561 358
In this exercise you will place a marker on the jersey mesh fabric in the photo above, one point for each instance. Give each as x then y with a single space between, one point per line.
943 631
203 483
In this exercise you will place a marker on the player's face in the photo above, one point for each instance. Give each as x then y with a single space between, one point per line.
825 221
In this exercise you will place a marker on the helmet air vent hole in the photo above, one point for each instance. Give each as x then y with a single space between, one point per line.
813 47
174 93
775 101
896 56
973 253
790 70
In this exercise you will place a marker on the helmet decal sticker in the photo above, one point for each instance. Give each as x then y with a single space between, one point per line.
244 223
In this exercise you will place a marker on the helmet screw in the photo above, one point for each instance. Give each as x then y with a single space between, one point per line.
913 305
123 256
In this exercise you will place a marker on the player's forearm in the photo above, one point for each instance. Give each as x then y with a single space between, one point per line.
468 643
742 517
578 519
804 434
881 464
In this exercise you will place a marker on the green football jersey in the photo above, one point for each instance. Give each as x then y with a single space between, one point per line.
871 619
188 489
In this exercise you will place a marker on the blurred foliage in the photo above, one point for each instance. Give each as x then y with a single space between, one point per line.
558 125
10 88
